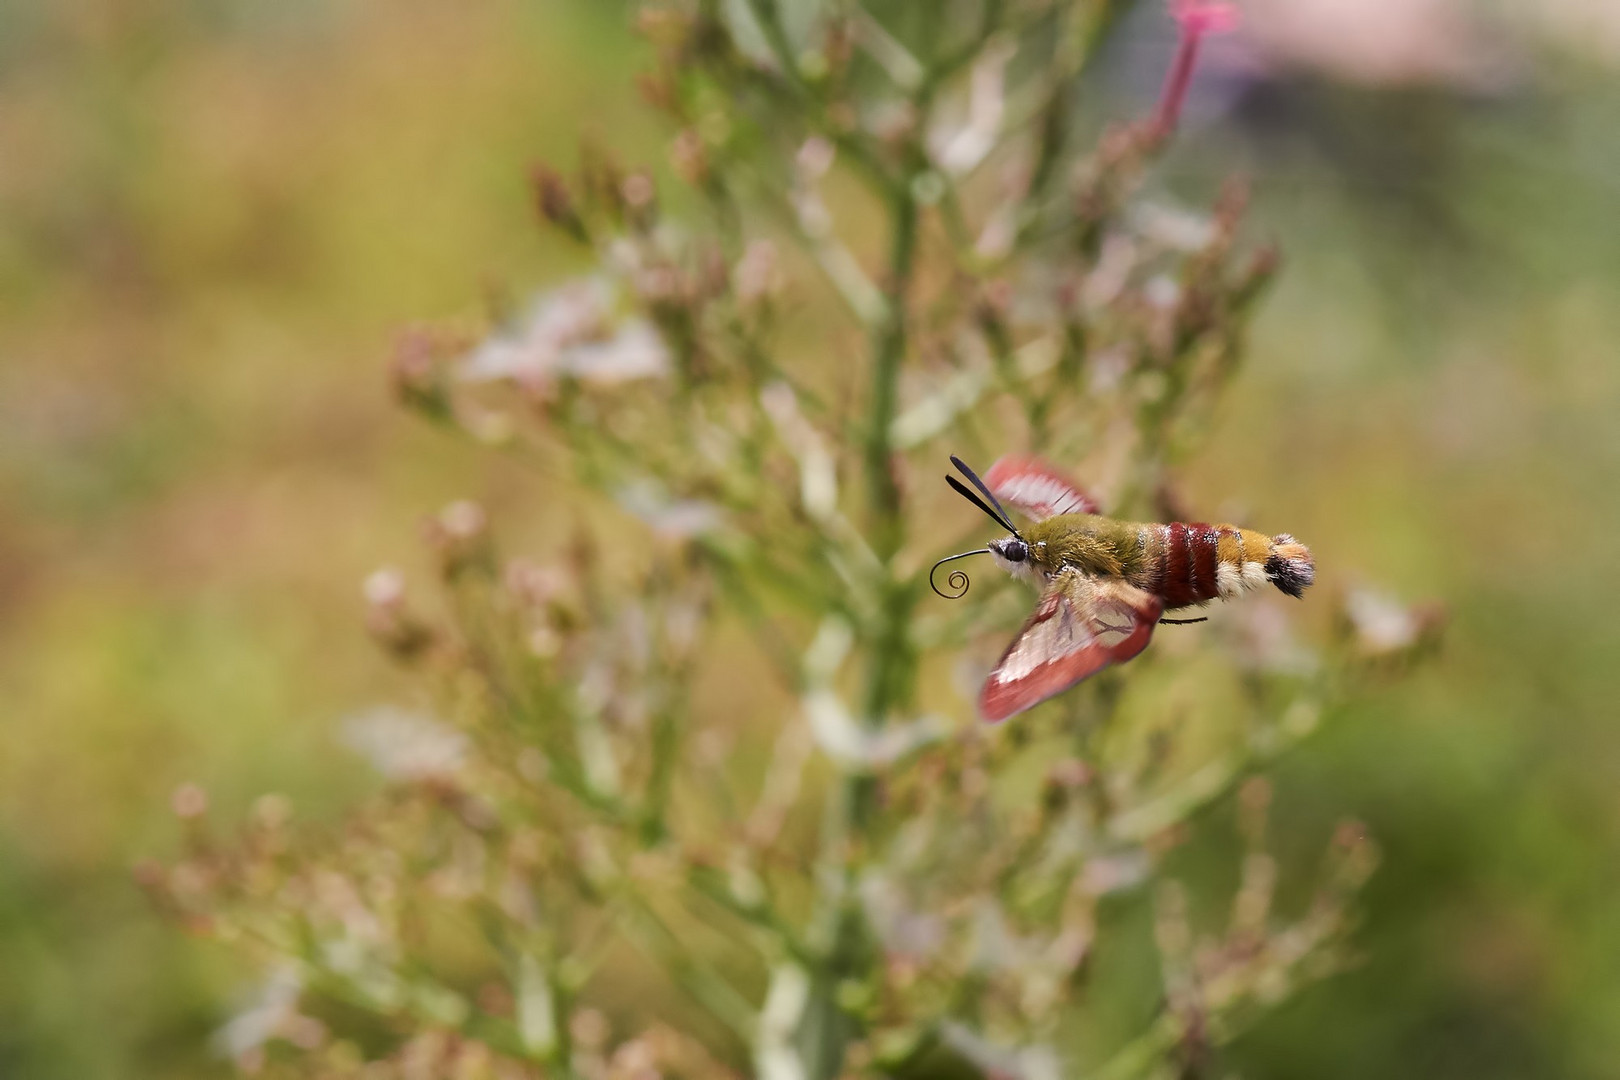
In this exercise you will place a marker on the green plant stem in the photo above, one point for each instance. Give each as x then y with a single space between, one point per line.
888 351
839 931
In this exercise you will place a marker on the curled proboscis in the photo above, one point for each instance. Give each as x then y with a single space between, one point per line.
956 581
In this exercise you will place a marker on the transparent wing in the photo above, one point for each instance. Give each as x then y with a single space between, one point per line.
1036 489
1081 625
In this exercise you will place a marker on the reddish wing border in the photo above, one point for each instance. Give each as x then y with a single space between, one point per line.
1080 626
1037 490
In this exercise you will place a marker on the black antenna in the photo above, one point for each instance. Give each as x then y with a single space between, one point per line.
963 490
1000 515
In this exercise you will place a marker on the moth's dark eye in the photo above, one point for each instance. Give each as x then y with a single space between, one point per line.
1015 551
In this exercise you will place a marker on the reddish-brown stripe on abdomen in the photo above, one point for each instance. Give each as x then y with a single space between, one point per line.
1191 555
1177 562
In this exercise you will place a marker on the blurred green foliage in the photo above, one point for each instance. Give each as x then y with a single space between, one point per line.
215 215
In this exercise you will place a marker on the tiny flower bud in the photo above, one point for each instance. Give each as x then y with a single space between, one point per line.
602 180
418 377
640 200
189 801
384 587
556 203
690 157
1254 277
815 157
150 875
590 1029
305 1032
756 278
658 89
1070 773
460 538
388 620
272 811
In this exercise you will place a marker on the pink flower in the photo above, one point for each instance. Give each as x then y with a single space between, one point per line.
1196 18
1204 16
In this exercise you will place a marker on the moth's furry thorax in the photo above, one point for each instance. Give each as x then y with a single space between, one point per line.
1081 541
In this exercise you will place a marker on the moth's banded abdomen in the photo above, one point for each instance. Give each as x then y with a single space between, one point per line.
1188 563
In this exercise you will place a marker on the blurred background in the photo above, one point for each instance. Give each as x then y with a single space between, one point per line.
215 215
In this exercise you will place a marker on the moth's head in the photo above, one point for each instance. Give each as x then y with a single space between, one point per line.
1013 554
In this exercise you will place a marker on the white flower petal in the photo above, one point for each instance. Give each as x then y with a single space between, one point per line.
405 745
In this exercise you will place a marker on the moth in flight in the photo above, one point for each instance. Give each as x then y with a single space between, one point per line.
1104 583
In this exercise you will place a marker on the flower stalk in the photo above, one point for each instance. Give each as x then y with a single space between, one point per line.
1195 19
